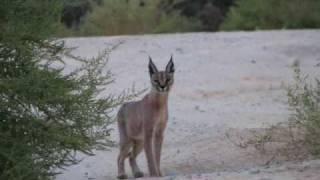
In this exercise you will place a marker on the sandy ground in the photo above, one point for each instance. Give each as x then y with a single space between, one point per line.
225 83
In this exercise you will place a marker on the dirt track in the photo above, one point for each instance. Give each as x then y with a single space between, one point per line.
225 83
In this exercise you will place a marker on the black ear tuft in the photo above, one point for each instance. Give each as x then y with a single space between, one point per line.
152 68
170 66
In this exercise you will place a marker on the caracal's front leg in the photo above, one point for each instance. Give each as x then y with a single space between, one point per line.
136 149
125 146
149 150
158 147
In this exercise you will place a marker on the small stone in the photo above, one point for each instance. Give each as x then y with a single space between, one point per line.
180 50
198 109
255 171
292 167
303 168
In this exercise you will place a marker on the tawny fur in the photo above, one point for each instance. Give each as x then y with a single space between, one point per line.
142 123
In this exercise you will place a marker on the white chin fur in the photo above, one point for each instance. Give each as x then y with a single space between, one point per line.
162 91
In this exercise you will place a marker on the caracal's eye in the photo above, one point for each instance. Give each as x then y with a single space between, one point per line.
156 81
168 80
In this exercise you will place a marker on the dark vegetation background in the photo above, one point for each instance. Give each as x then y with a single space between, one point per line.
113 17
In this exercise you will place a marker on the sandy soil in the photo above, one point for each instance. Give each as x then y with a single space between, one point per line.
225 83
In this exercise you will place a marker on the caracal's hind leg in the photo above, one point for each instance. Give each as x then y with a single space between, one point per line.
125 146
136 149
158 146
124 153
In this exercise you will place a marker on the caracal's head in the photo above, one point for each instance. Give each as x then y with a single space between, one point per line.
161 81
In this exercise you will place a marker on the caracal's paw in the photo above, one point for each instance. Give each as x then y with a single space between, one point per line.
122 176
138 174
153 175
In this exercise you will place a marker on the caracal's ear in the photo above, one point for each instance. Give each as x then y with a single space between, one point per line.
170 66
152 68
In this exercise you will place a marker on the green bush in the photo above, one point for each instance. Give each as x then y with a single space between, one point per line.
116 17
273 14
304 100
47 113
210 13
